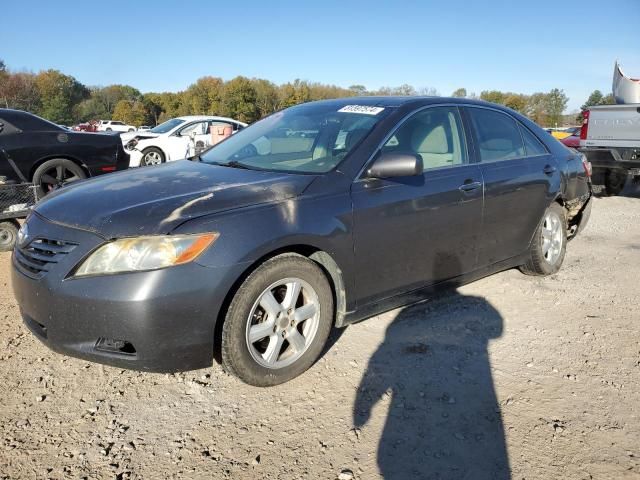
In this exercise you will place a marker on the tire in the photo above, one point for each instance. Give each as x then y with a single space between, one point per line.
109 129
152 156
614 181
56 173
271 357
549 244
8 236
131 130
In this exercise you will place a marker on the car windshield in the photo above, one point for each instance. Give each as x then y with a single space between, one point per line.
167 126
311 138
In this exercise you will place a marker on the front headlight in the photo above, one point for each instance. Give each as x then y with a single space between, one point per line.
145 253
131 144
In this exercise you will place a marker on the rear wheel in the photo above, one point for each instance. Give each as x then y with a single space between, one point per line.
56 173
614 181
8 236
549 243
278 321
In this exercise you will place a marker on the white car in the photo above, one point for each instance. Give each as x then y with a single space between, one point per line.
174 139
114 126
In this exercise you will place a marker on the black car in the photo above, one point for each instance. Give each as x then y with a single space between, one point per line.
35 150
256 249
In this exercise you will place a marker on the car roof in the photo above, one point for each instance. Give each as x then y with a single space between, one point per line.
398 101
190 118
26 120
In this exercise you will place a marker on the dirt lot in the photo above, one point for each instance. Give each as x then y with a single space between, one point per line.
536 377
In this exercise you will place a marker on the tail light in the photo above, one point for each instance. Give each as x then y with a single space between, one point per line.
586 164
585 125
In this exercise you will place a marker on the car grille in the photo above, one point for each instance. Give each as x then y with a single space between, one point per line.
37 256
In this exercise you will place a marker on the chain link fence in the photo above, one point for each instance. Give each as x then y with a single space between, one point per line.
16 198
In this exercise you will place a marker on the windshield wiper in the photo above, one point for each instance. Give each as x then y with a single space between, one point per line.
237 164
232 164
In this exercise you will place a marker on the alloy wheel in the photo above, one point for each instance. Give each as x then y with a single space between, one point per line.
56 177
282 323
152 158
552 237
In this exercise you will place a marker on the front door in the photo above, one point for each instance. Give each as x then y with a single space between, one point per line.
182 144
414 231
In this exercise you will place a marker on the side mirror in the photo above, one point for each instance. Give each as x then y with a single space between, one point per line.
389 165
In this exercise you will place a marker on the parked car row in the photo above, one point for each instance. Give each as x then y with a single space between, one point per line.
174 139
315 217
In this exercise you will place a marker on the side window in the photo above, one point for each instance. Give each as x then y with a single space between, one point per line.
498 135
117 123
435 134
532 145
200 128
7 129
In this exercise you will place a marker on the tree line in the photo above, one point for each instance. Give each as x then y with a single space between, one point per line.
64 100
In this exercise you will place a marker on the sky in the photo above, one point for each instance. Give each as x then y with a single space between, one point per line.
519 46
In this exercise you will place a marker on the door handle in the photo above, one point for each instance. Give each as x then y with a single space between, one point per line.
549 169
469 186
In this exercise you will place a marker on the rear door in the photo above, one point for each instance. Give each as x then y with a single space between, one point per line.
413 231
518 174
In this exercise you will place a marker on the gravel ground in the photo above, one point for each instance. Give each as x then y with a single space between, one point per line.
511 376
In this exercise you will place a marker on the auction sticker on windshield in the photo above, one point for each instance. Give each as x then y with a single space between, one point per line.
361 109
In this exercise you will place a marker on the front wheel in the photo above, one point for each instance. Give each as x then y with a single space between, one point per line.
549 243
278 321
152 156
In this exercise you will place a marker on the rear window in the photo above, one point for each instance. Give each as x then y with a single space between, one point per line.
27 122
497 134
532 145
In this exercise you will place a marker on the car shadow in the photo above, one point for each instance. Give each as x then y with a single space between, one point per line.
434 372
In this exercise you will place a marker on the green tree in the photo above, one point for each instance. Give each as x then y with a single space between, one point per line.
239 100
19 91
358 90
608 100
294 93
493 96
131 112
537 108
266 96
203 97
517 102
595 98
404 89
460 93
555 102
59 93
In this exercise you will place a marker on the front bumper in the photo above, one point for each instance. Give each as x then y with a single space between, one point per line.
167 317
135 157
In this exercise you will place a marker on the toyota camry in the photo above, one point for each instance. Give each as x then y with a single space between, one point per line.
315 217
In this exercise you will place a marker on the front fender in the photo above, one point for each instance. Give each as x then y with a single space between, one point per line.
252 233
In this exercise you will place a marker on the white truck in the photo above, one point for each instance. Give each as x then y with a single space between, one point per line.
610 135
115 126
610 139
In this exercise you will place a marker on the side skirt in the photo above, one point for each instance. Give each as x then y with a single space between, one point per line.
424 294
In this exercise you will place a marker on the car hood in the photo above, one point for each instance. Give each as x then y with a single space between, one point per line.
125 137
155 200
